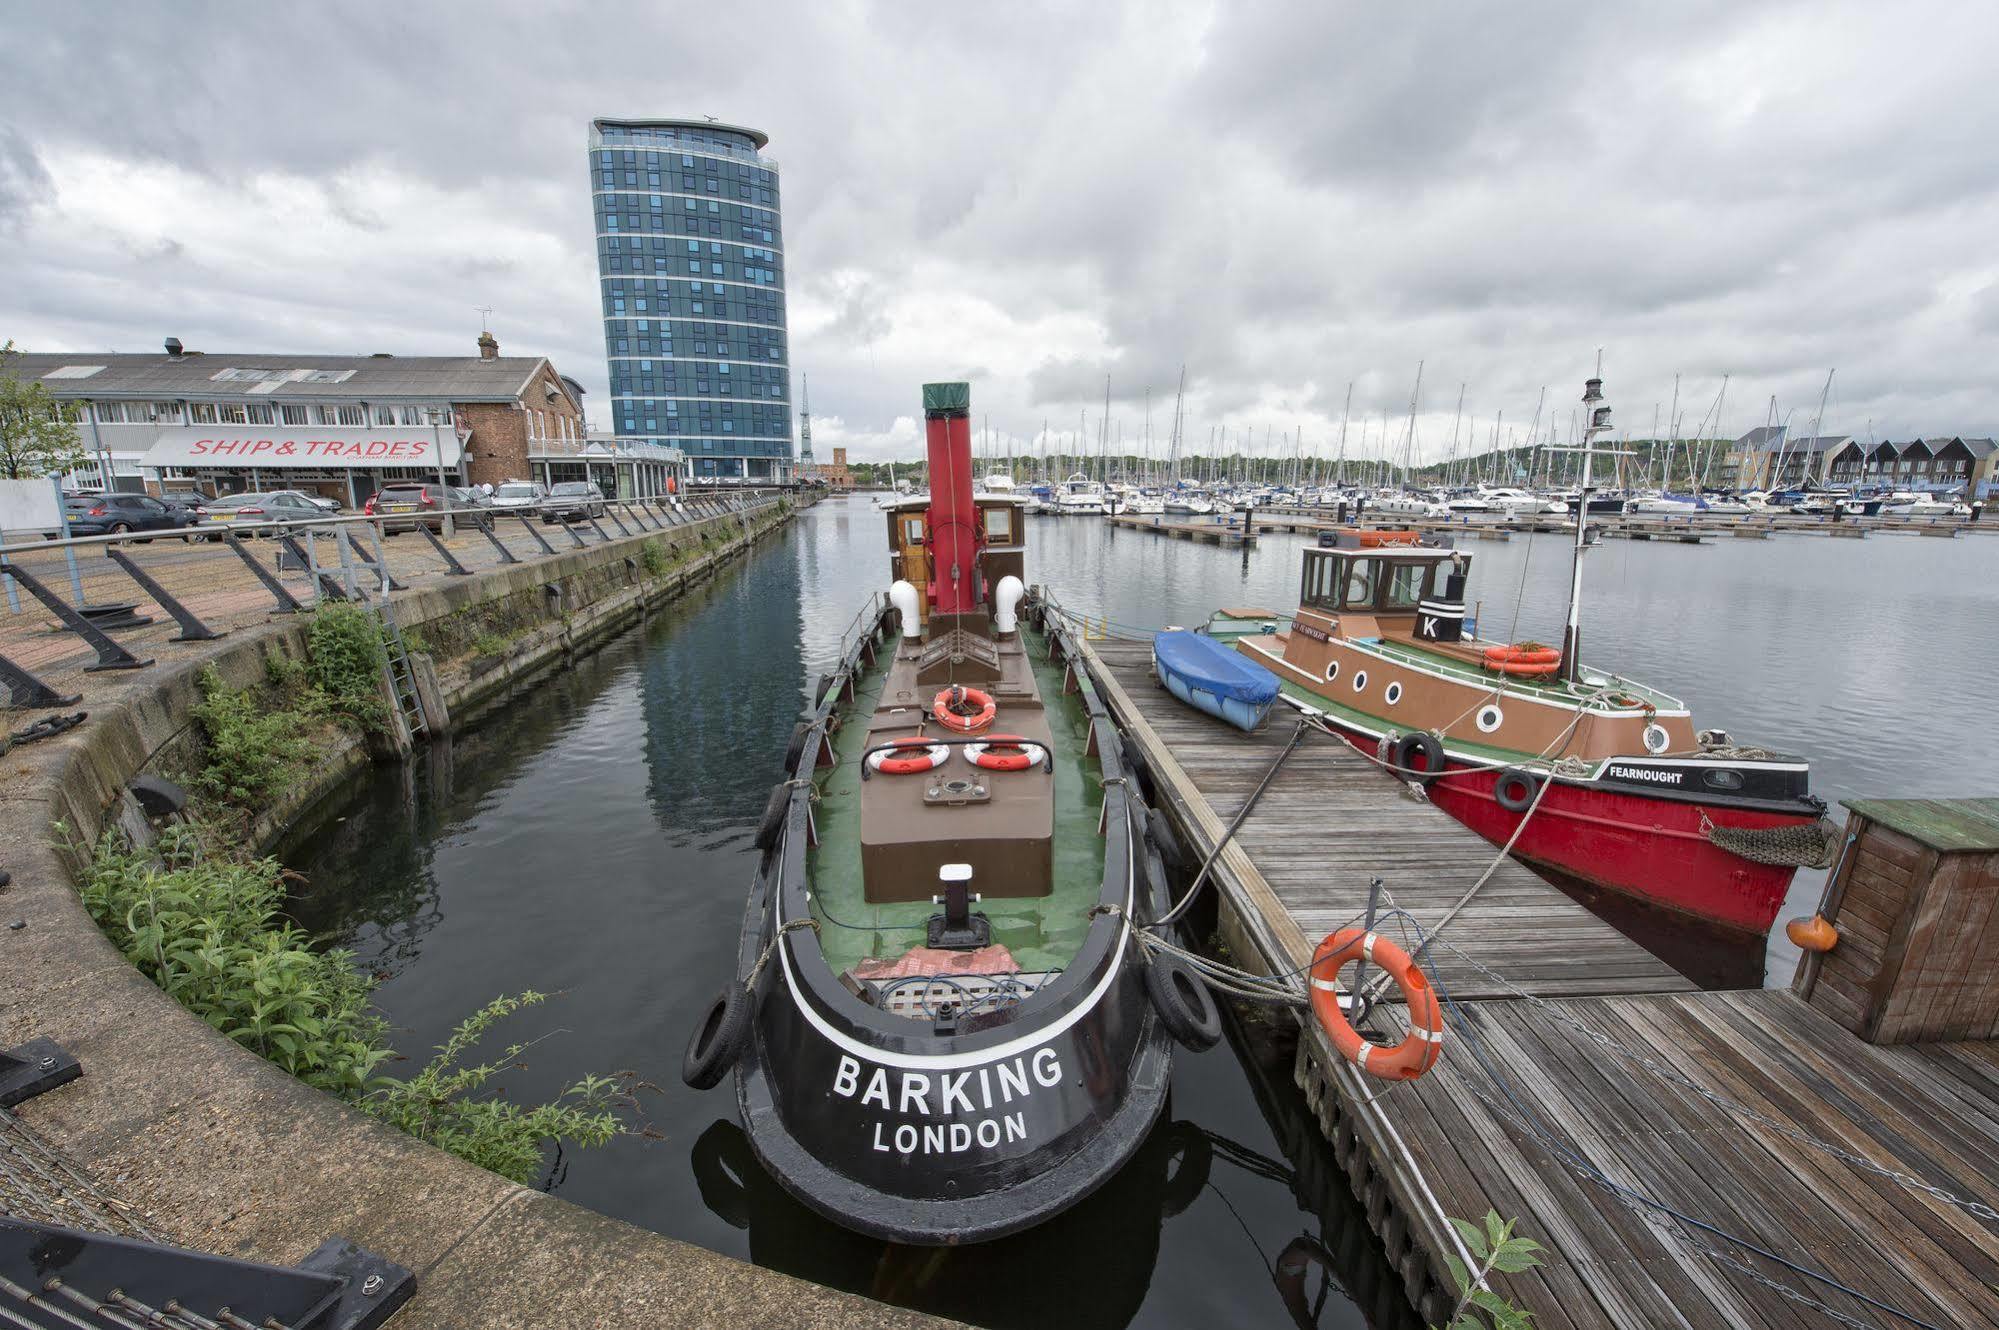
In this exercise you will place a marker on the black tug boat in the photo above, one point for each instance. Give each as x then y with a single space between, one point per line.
944 1027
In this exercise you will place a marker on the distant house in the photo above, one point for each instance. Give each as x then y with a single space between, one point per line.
1768 458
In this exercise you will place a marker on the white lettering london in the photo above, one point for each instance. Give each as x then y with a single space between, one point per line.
983 1090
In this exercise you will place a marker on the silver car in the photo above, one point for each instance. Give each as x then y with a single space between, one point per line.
519 494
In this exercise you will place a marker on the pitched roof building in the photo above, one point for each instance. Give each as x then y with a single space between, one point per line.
340 425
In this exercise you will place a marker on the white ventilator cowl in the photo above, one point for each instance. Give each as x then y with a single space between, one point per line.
902 595
1006 599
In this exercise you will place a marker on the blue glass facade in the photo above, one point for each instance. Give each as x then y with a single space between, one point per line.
690 262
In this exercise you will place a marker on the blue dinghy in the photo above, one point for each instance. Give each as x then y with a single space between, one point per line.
1214 678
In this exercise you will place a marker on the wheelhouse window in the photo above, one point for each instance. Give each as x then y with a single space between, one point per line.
1319 589
999 526
1358 592
1404 585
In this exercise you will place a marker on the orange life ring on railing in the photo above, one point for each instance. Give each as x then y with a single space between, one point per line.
1026 753
945 707
922 755
1418 1052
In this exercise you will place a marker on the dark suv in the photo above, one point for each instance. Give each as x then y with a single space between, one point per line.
117 514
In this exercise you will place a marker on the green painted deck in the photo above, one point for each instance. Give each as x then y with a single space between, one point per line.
1043 934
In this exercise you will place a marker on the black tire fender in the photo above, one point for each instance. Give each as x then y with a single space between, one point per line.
1181 998
718 1038
1418 744
1136 767
1159 831
1516 789
796 748
771 827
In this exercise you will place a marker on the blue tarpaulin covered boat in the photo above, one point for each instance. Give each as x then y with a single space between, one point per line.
1214 678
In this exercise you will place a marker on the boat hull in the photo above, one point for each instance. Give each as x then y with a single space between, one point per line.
1646 845
916 1132
1032 1132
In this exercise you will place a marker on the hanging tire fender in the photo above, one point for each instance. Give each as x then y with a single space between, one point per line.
1417 744
771 826
1133 761
1159 832
1516 789
718 1038
1185 1007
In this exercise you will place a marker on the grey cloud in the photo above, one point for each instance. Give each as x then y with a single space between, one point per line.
1285 198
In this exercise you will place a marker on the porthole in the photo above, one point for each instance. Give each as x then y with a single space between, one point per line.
1489 719
1656 739
1332 671
1393 694
1359 680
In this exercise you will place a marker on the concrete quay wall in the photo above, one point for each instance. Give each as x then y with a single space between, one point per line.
221 1151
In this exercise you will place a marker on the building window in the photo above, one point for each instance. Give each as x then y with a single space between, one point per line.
260 414
201 413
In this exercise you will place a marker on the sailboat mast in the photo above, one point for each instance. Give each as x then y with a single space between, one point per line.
1340 476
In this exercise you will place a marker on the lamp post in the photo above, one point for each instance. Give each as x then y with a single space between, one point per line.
437 455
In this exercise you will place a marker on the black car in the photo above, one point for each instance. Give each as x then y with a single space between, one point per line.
119 514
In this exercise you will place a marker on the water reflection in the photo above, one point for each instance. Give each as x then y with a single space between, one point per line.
590 836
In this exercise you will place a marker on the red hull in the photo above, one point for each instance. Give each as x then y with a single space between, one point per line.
1649 848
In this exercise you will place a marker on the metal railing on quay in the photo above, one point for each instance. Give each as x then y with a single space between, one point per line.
66 603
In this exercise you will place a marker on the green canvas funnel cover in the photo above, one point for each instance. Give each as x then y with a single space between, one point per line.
954 397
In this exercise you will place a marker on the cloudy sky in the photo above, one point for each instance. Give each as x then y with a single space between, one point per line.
1285 199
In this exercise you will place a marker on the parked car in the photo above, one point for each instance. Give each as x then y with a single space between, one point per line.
319 501
117 514
572 501
404 504
471 496
519 494
259 509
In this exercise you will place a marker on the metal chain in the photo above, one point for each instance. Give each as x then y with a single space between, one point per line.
1555 1013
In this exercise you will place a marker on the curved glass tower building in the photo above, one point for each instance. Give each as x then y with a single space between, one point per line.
690 259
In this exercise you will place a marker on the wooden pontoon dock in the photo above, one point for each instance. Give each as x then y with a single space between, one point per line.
1214 531
1543 1107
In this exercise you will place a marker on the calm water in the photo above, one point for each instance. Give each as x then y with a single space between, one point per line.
591 837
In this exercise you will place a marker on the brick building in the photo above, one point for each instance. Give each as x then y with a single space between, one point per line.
833 474
341 426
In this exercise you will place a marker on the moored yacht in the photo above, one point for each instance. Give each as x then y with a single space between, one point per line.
1079 496
944 1026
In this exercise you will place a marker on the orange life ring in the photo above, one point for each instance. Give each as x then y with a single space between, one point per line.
922 756
945 708
1418 1052
1523 655
1026 753
1525 669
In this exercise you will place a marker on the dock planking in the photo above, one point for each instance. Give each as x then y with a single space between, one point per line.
1528 1099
